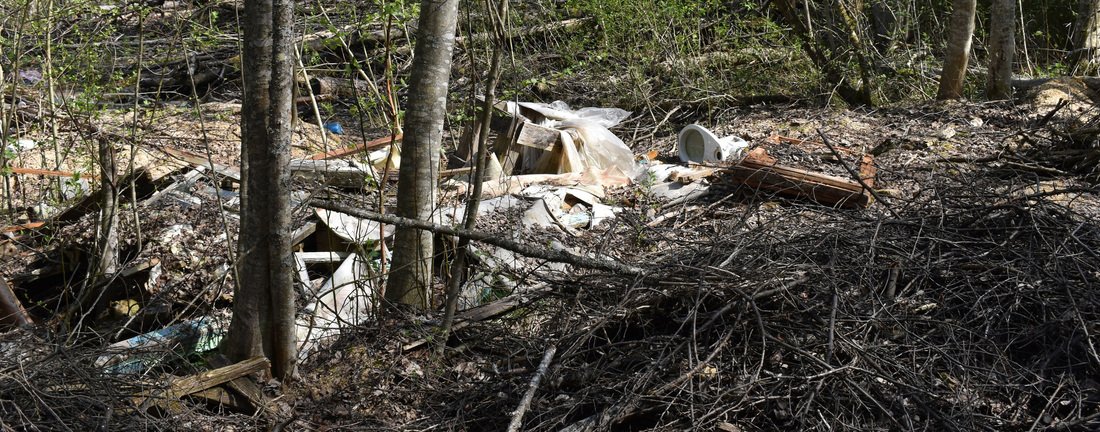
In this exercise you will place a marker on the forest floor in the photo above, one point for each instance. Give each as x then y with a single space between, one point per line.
963 297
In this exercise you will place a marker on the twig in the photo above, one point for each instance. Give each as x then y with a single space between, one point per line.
517 416
856 175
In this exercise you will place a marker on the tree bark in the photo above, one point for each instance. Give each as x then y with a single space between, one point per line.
107 235
958 49
1002 49
1087 39
411 268
263 303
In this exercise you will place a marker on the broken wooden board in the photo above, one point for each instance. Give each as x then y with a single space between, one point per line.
761 173
537 137
243 386
179 387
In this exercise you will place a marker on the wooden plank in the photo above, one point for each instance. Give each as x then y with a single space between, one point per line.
345 152
804 175
180 387
243 386
867 170
539 137
780 180
322 257
299 235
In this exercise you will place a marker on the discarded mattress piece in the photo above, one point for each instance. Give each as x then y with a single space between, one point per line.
142 352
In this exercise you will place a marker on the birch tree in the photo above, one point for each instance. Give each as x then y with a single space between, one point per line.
411 268
959 36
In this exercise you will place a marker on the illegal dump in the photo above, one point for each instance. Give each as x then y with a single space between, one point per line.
724 263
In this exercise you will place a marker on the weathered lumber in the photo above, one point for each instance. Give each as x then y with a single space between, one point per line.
823 189
180 387
758 170
538 137
46 172
243 386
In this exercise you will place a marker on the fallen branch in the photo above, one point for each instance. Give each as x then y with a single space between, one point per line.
374 144
484 312
517 417
493 239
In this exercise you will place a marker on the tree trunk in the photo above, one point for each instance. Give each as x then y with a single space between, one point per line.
107 235
263 304
1086 42
1002 49
958 49
411 268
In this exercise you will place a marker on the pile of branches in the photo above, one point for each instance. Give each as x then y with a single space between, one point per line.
970 311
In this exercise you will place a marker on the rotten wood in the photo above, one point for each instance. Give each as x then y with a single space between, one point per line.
243 386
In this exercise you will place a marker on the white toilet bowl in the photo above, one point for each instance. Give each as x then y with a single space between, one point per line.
697 144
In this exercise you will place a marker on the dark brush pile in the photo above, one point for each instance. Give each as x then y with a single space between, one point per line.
973 310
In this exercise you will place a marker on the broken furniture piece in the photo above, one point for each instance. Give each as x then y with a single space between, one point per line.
760 171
